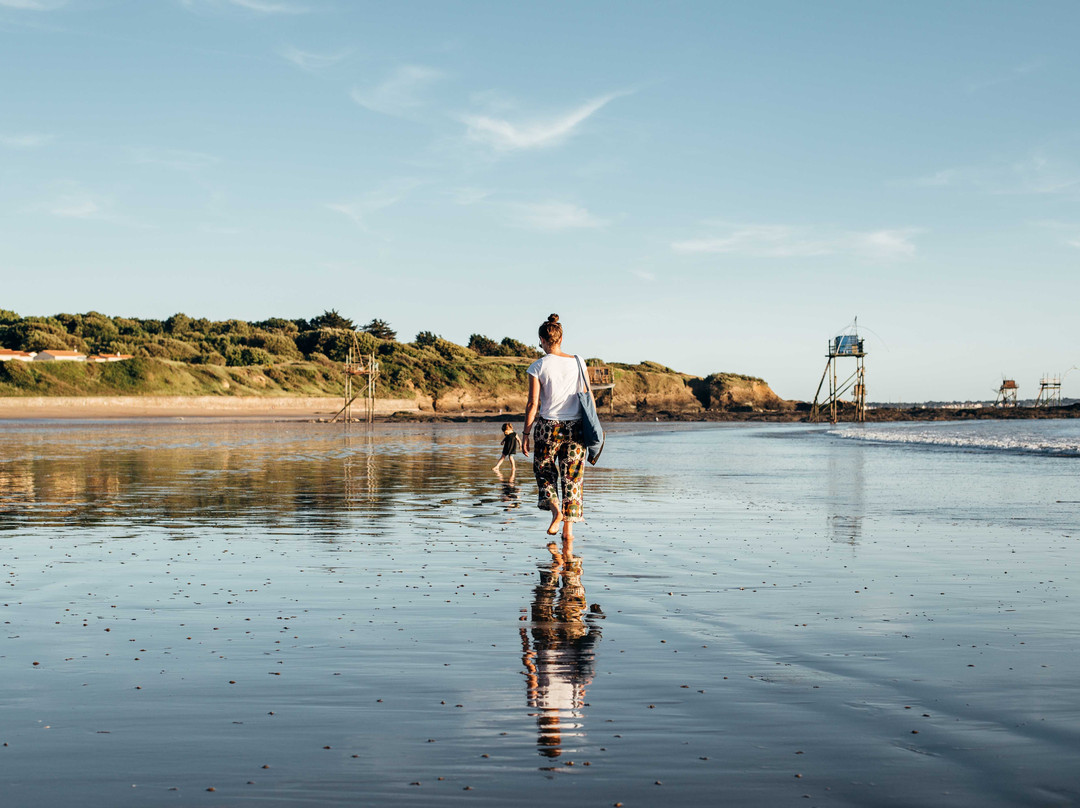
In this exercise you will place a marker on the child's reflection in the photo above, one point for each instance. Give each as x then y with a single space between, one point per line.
559 652
511 492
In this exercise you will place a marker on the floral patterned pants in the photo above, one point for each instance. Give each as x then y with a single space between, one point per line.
559 452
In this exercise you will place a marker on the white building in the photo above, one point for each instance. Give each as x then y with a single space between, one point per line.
7 355
60 356
108 357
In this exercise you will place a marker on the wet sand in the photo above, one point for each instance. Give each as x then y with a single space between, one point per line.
226 614
220 407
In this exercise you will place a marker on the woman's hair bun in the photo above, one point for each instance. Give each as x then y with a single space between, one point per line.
553 318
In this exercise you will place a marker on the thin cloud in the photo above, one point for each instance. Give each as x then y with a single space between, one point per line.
1015 74
312 62
1069 232
26 140
401 93
218 230
939 179
785 241
258 6
175 159
554 216
469 196
33 5
503 135
77 206
266 7
72 200
362 207
1037 173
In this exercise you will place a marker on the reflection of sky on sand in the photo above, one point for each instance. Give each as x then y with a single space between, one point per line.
295 477
559 654
274 590
301 478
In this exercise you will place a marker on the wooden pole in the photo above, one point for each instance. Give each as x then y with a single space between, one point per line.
832 389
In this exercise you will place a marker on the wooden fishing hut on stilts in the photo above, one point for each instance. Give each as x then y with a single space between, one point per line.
1049 392
601 378
361 373
1006 396
847 346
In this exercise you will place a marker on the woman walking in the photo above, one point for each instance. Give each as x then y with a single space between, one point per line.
553 413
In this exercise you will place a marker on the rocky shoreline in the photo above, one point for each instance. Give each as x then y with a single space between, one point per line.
799 413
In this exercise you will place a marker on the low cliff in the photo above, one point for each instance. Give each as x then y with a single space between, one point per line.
732 392
445 379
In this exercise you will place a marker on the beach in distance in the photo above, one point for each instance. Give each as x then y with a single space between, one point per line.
223 613
324 408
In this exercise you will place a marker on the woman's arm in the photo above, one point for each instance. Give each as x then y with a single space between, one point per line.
531 406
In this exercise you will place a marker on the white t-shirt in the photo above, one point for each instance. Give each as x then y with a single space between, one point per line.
559 379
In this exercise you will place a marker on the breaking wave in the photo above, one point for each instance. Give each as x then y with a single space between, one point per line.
1056 438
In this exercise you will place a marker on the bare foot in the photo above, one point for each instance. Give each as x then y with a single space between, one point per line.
556 518
553 548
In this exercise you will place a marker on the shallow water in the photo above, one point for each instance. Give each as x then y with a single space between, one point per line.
758 614
1060 438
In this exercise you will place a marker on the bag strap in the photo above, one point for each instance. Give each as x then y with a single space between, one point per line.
581 371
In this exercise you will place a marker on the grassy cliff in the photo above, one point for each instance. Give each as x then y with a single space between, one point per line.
277 357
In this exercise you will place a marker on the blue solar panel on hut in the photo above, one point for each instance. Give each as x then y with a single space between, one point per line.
848 345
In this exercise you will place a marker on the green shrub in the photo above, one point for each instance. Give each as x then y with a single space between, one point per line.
276 325
178 324
245 356
330 319
16 374
98 330
127 376
380 329
209 358
128 327
235 328
484 346
39 334
274 344
511 347
331 342
71 323
44 341
168 348
425 339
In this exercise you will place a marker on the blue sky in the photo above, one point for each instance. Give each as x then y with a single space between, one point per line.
711 185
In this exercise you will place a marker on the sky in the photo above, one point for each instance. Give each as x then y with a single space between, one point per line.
715 186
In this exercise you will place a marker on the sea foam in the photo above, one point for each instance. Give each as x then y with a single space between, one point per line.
1059 438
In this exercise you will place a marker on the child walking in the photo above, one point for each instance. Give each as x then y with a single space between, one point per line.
511 445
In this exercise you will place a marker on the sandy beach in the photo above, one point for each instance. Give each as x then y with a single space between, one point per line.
221 614
106 407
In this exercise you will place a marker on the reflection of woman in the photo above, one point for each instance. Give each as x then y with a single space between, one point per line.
558 453
559 655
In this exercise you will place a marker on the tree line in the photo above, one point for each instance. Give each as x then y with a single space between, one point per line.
327 336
